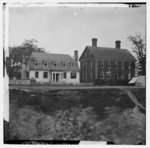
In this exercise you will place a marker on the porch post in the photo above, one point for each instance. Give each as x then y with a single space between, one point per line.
55 77
52 76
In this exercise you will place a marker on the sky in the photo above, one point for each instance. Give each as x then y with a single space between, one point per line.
65 29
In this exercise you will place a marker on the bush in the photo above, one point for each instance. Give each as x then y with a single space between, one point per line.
33 81
127 127
110 82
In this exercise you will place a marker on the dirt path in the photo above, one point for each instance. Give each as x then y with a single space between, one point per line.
46 88
133 98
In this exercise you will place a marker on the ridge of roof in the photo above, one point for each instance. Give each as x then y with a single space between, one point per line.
111 53
105 47
51 56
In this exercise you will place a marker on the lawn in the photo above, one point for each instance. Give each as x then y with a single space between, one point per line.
96 114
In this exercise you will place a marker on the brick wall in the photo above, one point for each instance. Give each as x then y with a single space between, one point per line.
88 72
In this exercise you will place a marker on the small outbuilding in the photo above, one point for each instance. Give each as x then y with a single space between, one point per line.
139 81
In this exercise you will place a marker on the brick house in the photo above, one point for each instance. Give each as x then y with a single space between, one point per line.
103 63
53 68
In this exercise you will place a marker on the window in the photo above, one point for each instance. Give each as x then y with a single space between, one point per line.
73 75
83 63
86 64
102 75
108 74
36 74
109 65
85 54
122 65
91 75
83 76
91 64
129 65
102 64
86 77
27 74
116 76
116 65
129 75
122 76
45 74
65 75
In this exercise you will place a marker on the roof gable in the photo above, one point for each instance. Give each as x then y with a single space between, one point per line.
104 53
86 53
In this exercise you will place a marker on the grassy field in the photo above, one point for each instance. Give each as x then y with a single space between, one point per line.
78 114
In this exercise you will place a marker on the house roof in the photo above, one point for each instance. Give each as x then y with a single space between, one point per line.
52 56
51 59
105 53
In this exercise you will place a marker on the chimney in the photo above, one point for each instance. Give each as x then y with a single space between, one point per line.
76 55
94 42
118 44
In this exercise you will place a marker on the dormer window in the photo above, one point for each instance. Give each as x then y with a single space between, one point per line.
122 65
54 63
72 64
129 65
109 65
45 63
36 64
116 65
62 63
102 64
57 64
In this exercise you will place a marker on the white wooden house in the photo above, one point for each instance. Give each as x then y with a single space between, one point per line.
54 68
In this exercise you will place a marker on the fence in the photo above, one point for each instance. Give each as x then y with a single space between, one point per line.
19 82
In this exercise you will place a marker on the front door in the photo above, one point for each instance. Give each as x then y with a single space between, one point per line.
57 77
53 77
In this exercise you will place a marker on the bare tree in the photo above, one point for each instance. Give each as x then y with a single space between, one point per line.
139 48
